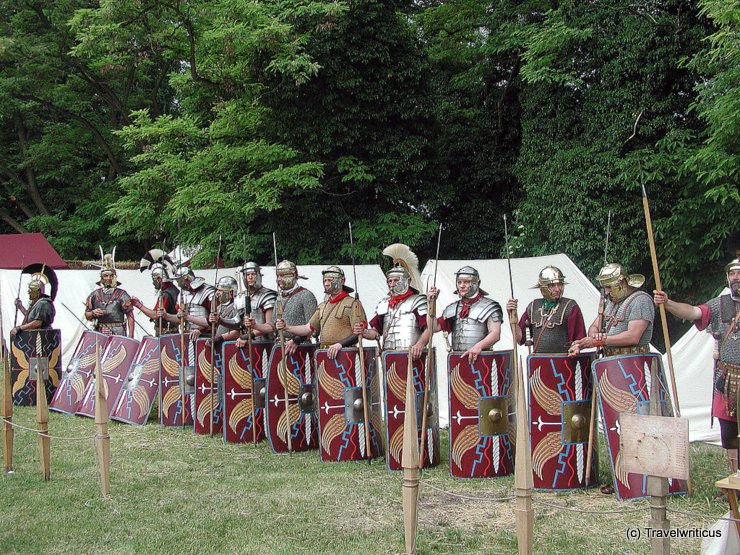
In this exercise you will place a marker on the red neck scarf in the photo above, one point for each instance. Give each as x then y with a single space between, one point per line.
338 298
466 304
395 300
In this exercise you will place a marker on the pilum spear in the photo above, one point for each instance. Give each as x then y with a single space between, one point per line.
214 311
361 354
429 366
283 363
523 480
661 308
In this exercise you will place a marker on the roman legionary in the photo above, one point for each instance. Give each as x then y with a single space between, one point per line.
299 304
109 307
334 319
225 316
552 323
628 315
625 328
721 315
194 304
475 320
162 269
400 317
261 299
40 312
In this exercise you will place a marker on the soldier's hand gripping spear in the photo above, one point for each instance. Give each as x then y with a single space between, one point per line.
429 366
361 353
283 368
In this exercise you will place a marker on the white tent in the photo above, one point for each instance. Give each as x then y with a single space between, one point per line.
76 285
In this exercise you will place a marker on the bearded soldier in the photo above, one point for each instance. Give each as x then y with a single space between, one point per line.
299 304
552 323
162 270
40 313
334 319
261 300
722 316
628 315
474 321
110 305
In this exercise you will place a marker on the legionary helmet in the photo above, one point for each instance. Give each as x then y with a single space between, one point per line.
336 274
405 267
470 274
252 267
41 276
289 272
226 288
616 277
160 265
549 275
108 265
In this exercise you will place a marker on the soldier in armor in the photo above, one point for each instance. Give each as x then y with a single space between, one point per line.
474 321
162 270
225 315
334 319
628 315
109 307
298 305
721 317
261 301
195 301
552 323
40 313
401 317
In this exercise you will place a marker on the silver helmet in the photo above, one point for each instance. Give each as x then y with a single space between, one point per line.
250 267
225 288
470 274
404 280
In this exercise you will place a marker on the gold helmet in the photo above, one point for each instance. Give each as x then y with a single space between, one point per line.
549 275
288 271
618 280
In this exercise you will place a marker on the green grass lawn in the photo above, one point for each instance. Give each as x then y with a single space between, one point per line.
174 492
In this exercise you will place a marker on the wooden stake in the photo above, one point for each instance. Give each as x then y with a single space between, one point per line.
410 463
42 418
8 432
523 480
102 439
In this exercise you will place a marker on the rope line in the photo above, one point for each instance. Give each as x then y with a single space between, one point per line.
36 431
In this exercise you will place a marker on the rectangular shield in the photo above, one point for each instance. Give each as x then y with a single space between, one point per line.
140 386
299 373
473 453
395 364
207 383
175 406
560 389
79 371
242 394
339 438
34 344
115 361
625 384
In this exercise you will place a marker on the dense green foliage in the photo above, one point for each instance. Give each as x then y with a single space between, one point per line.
150 122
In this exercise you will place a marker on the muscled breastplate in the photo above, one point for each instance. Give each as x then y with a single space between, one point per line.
400 325
550 332
467 331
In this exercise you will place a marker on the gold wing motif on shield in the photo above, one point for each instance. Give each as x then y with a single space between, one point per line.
466 393
331 430
283 425
466 440
618 399
546 397
395 444
170 365
547 448
204 365
113 362
330 384
241 376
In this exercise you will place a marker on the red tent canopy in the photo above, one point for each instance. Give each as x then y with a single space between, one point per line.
18 250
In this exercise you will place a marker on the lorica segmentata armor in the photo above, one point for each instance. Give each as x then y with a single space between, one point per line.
466 332
400 325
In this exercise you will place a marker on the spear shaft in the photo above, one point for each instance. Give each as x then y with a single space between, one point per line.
361 353
283 362
429 367
214 310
